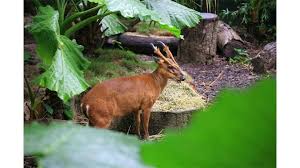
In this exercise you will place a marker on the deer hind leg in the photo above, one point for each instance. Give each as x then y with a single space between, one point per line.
147 113
100 119
138 123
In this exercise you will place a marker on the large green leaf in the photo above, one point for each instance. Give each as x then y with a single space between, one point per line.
112 24
239 130
173 14
62 58
66 145
65 75
100 2
45 29
131 8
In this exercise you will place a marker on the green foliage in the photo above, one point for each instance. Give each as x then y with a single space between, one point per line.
259 14
72 146
147 28
48 108
65 75
156 29
132 8
45 29
69 113
111 25
112 63
238 130
62 58
193 4
173 18
241 57
35 101
27 56
174 14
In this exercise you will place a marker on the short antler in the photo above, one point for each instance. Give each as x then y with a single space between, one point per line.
169 53
157 52
167 50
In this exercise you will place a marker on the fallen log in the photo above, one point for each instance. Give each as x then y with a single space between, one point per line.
141 43
228 40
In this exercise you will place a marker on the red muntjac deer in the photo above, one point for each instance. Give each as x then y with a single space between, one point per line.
120 96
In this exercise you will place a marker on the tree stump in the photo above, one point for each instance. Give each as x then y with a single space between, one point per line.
228 40
159 121
200 42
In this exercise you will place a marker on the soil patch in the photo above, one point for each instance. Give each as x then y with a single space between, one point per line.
222 74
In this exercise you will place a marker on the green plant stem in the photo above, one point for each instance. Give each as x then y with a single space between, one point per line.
84 23
61 6
75 6
31 96
71 18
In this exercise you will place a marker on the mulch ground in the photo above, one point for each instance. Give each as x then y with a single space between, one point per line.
210 79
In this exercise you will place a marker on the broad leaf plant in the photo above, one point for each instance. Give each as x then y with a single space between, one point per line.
62 58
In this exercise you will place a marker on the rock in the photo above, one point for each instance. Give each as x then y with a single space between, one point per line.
265 60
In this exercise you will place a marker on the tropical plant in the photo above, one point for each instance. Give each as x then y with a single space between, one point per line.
256 15
210 6
239 130
62 58
241 57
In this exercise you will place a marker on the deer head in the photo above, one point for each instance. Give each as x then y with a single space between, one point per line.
167 66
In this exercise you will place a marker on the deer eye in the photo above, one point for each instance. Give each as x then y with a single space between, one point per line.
171 69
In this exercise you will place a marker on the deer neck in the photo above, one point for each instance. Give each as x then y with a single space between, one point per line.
159 79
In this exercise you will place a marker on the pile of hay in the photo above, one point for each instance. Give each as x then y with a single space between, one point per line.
178 97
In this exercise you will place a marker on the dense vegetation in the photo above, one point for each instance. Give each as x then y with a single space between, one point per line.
258 17
54 29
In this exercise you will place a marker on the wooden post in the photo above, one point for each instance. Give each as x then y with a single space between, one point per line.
200 42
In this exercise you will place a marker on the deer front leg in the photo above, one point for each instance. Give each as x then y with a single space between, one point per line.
147 112
138 123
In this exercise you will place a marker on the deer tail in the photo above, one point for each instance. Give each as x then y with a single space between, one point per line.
85 109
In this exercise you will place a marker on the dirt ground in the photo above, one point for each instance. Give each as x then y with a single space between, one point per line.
219 75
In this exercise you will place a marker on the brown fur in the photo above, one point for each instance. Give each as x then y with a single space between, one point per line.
120 96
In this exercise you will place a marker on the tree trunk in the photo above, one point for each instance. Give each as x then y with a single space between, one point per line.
228 40
200 43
